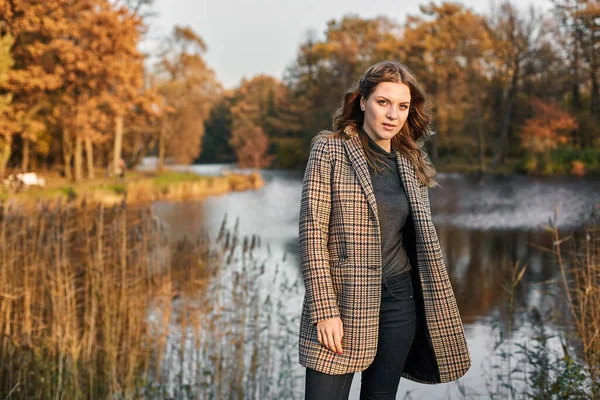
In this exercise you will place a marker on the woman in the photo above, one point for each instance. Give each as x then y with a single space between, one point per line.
378 298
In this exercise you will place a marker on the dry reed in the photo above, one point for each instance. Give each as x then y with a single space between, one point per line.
96 302
75 284
580 273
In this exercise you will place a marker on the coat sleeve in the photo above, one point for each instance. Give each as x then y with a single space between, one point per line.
315 207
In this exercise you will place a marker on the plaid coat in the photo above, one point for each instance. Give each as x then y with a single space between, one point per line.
340 254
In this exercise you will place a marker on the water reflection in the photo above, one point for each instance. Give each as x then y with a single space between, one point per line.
479 261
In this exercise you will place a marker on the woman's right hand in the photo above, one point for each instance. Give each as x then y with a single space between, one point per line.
330 332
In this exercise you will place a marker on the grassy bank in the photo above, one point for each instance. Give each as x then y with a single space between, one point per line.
555 163
446 165
139 187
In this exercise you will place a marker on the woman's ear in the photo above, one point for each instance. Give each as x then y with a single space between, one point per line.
362 103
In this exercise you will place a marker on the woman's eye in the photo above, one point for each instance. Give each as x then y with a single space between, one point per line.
403 107
382 102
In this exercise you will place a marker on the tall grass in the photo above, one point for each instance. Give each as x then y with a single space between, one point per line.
75 284
243 346
580 272
544 354
98 303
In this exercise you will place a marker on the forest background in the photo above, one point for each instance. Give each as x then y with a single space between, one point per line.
512 90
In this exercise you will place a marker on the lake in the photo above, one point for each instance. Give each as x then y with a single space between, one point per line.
485 229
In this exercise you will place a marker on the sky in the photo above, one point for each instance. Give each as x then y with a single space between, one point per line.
249 37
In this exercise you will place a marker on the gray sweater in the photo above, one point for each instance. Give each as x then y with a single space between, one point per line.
393 210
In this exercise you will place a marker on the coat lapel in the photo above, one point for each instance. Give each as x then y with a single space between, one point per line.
411 185
409 178
359 163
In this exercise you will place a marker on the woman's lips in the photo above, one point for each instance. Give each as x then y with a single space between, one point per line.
389 127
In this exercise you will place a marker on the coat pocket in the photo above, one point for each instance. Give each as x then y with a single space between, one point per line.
339 262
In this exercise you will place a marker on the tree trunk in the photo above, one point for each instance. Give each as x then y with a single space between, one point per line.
118 144
25 160
160 166
33 111
575 68
508 100
78 158
141 149
89 155
6 144
67 148
480 139
595 101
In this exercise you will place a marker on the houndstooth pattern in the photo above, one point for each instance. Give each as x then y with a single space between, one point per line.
340 255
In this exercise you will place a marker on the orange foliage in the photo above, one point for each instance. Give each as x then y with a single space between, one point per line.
77 67
189 89
325 69
248 138
448 48
577 168
249 141
547 129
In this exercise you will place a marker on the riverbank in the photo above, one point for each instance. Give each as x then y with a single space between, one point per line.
467 167
138 187
557 164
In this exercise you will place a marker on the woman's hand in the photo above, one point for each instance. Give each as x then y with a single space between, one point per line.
330 332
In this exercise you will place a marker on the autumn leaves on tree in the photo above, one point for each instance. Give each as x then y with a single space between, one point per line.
77 94
77 73
74 78
486 74
188 90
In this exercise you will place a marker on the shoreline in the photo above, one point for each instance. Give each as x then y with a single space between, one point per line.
138 187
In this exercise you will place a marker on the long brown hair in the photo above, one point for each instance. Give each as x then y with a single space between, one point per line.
349 118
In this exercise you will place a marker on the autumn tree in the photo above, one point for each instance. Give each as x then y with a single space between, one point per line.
548 129
283 124
481 71
34 76
578 38
7 125
77 72
137 130
248 139
141 128
106 79
141 8
517 39
447 47
352 44
254 115
263 106
188 91
579 19
325 69
6 63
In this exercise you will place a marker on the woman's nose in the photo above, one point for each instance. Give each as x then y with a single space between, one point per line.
392 113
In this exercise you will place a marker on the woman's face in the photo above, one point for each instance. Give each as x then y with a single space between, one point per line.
386 110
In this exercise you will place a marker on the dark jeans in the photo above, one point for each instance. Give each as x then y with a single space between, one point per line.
397 327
